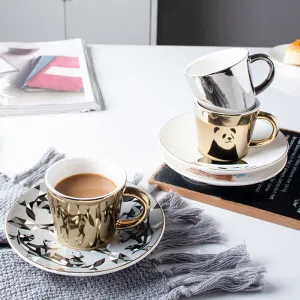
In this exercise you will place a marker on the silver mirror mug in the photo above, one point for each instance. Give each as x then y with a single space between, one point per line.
222 81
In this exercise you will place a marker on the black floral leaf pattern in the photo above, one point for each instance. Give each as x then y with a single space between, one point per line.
30 204
43 198
30 213
98 263
23 203
51 228
19 222
118 258
39 187
134 211
142 236
24 239
42 202
12 237
46 207
76 261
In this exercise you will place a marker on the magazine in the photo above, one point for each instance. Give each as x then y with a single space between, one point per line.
48 77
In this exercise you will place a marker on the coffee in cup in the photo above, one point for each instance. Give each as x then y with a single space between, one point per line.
85 185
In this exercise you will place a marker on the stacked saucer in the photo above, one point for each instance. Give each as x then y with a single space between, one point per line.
178 143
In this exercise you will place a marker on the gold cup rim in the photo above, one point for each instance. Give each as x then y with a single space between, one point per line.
86 201
224 114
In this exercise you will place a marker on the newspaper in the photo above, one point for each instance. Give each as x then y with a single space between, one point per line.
47 77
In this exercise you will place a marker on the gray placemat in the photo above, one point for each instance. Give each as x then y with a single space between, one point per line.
189 273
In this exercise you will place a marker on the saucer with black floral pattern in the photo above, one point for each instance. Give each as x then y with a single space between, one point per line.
30 233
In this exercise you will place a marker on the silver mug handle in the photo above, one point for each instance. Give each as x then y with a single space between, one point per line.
260 56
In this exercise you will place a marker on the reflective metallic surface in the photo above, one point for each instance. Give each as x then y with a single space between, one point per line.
230 89
90 224
228 137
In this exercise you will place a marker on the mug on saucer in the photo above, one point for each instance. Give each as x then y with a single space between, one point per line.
222 80
91 222
227 137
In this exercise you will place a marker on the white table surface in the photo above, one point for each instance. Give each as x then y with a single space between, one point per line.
143 87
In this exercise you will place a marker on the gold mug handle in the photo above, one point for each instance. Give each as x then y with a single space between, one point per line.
145 201
275 128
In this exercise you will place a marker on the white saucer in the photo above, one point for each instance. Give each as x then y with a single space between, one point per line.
277 54
30 233
287 76
224 180
178 140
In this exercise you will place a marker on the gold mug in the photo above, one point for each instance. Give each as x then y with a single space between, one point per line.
227 137
90 223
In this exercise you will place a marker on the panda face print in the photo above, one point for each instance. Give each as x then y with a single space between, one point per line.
225 137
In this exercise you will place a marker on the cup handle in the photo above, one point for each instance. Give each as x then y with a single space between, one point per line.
145 201
260 56
275 128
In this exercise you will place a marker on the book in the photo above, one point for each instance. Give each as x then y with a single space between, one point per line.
57 77
55 73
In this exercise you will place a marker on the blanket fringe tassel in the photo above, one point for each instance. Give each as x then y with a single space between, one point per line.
201 273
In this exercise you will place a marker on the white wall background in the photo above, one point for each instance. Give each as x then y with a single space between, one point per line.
96 21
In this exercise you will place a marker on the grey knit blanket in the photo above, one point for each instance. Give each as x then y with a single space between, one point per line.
181 274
